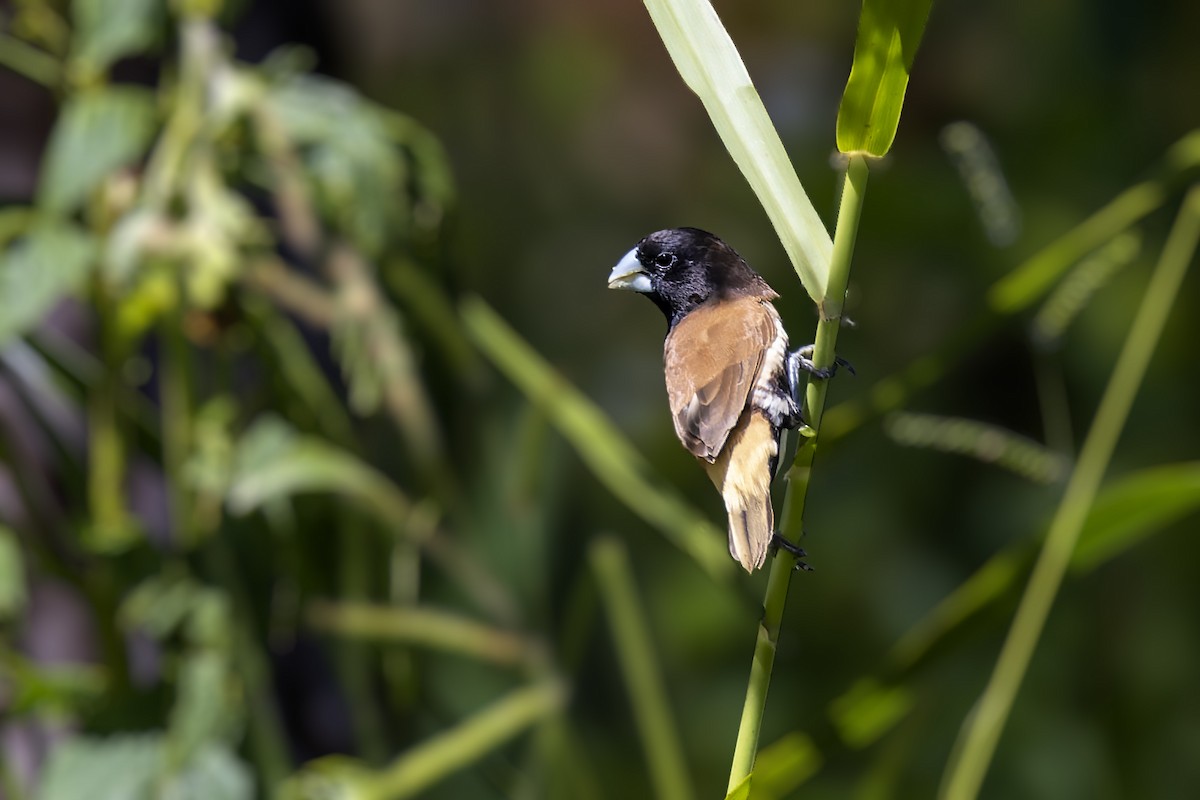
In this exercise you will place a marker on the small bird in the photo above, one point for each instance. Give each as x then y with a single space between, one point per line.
731 382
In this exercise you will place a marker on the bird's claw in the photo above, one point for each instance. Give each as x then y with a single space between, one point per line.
800 360
780 543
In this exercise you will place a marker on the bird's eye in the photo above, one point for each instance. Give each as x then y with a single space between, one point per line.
664 260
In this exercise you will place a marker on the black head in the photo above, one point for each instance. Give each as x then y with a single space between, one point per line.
682 268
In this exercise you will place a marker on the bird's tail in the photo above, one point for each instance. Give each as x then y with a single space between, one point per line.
742 473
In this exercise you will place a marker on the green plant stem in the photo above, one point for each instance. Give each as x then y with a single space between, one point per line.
441 755
199 51
292 291
441 630
266 739
981 733
29 61
354 658
635 652
780 576
175 393
112 528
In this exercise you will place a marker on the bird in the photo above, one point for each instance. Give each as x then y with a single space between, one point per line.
732 384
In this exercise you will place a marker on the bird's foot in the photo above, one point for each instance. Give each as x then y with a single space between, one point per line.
779 543
801 359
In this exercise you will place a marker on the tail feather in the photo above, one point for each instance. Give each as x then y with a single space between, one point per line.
742 473
751 528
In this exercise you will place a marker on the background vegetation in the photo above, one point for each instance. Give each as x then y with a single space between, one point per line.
328 465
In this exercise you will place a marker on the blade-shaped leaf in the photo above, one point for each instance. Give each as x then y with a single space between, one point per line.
889 32
274 462
609 455
37 271
710 65
869 709
742 790
783 765
107 30
98 131
1135 507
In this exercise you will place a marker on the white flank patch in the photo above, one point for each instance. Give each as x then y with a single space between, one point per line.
766 396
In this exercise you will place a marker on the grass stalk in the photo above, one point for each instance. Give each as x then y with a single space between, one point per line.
791 527
441 630
635 652
25 59
439 756
175 394
981 732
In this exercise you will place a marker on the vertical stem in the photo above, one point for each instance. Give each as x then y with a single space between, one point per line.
265 735
824 353
112 528
356 659
635 652
981 732
174 365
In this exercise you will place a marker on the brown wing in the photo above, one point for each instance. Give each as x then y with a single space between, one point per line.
712 358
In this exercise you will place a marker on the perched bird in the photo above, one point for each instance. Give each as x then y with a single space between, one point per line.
731 382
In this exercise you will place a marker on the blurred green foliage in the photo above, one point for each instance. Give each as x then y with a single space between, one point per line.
274 519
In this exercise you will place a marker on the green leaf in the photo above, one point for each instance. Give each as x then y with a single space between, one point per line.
37 271
12 575
131 767
869 709
215 773
159 605
98 132
205 707
710 65
116 768
889 32
1135 507
48 690
742 790
273 462
108 30
359 173
784 765
1035 276
608 454
14 221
